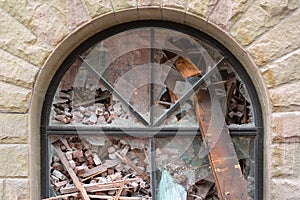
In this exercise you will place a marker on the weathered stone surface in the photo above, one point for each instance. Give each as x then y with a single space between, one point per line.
20 41
261 16
17 189
156 3
13 128
1 189
199 8
98 7
285 127
72 13
15 157
39 18
276 43
221 13
123 4
14 98
16 71
286 98
285 189
276 73
285 160
182 4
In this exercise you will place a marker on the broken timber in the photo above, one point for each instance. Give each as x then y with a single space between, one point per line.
226 170
71 172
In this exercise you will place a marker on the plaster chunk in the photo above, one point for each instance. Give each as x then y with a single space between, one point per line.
98 7
285 189
13 128
286 98
14 98
276 43
276 73
17 189
285 159
20 41
16 71
15 157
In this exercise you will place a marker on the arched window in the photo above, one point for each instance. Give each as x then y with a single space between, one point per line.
151 109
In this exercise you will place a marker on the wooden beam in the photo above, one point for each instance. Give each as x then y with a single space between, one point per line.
68 167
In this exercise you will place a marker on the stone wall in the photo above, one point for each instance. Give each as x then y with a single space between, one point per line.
35 37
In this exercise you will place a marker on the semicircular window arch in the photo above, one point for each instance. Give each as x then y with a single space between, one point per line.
145 104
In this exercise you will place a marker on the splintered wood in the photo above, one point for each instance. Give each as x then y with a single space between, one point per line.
81 169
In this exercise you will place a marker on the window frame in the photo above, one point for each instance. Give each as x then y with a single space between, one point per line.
48 130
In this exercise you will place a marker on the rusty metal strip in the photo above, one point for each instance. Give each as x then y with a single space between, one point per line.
226 170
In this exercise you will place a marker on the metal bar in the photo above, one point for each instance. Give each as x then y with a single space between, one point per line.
152 76
153 168
225 167
112 90
189 92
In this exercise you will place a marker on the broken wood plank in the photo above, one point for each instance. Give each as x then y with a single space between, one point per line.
72 174
186 67
111 198
226 170
128 162
76 194
101 168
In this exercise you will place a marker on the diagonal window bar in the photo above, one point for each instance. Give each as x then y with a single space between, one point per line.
112 90
189 92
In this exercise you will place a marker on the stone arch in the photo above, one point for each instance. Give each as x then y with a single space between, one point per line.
62 51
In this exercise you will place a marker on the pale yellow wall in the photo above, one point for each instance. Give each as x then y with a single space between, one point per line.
36 36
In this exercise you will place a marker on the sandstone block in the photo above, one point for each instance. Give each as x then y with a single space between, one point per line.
1 187
13 128
123 4
98 7
14 98
20 41
285 160
16 71
154 3
199 8
17 189
285 189
182 4
14 159
283 70
285 127
276 43
286 98
72 13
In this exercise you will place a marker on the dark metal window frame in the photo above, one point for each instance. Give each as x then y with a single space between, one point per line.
47 130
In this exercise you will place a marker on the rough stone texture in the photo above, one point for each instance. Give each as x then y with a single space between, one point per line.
72 13
1 189
285 160
98 7
285 189
261 16
14 98
13 128
276 74
199 8
16 189
175 4
286 98
123 4
20 41
16 71
285 127
39 18
156 3
15 157
282 39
